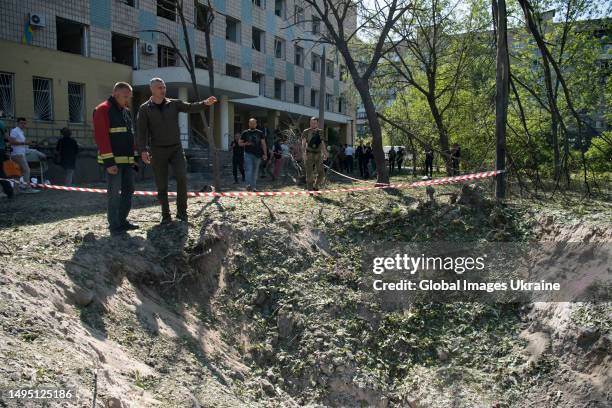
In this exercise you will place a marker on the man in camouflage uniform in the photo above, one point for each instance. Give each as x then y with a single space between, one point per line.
314 146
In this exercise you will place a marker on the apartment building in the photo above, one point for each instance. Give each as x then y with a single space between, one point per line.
60 58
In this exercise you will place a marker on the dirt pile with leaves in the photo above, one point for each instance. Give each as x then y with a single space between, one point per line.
260 303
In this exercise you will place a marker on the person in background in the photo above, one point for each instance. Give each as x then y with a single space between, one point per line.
286 156
67 149
314 145
348 158
255 149
399 158
429 159
237 158
359 153
277 152
17 140
6 185
341 158
455 156
391 160
367 155
372 161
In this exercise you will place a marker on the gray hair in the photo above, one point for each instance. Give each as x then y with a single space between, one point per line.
156 80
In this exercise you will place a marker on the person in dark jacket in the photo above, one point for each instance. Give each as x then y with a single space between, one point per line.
66 150
237 158
114 135
429 159
159 143
6 185
391 160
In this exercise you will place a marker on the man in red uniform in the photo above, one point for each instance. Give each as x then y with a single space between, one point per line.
114 134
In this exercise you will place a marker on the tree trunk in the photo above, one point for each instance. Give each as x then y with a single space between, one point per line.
442 133
191 68
501 94
375 128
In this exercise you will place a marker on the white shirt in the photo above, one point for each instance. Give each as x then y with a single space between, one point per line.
18 136
348 151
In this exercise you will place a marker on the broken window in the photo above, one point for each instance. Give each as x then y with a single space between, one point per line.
279 89
232 70
167 9
259 79
232 29
201 62
258 40
123 49
70 36
166 56
298 94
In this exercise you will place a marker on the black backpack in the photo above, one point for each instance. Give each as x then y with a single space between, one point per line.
315 141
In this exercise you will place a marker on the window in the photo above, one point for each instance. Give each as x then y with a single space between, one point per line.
260 80
7 95
343 73
259 3
131 3
316 63
167 9
279 8
76 102
123 50
316 25
299 16
232 70
341 104
232 29
279 89
314 98
166 57
201 62
279 48
43 99
298 94
329 68
70 36
202 12
329 102
299 56
258 40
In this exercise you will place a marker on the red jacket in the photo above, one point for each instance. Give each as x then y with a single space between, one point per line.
114 134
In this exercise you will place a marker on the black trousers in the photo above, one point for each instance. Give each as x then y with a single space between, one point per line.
429 166
120 191
237 164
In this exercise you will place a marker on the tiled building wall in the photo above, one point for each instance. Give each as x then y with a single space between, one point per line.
103 17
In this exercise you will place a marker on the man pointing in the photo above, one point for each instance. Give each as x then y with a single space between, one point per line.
159 143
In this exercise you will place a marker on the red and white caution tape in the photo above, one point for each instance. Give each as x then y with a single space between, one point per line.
241 194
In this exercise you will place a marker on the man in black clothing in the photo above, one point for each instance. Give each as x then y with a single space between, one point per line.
399 158
391 160
429 159
237 158
67 149
255 150
359 153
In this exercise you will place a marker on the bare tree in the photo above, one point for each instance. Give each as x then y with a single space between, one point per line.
375 21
